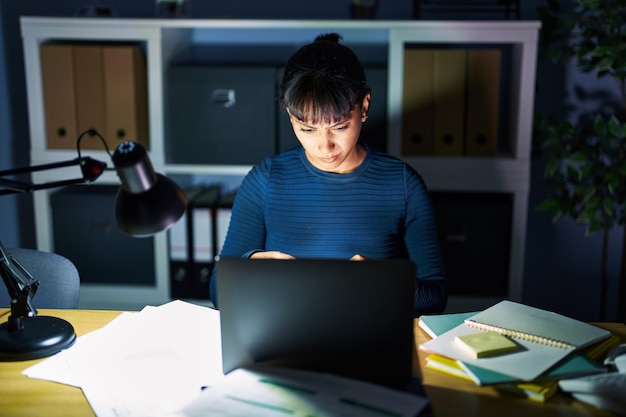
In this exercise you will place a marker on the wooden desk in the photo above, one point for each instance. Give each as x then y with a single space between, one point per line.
449 396
21 396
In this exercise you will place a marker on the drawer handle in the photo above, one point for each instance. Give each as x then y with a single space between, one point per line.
224 97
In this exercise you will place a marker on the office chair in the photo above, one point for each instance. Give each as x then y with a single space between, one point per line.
59 281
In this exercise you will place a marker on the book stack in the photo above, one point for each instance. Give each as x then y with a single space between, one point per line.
515 348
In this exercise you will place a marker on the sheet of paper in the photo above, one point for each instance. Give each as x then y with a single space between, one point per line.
56 368
262 391
143 363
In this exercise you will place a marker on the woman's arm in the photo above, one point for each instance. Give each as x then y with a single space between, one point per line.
422 243
246 231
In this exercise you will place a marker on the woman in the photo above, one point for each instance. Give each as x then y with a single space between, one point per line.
333 197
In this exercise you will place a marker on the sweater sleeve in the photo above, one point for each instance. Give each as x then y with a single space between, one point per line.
422 244
246 231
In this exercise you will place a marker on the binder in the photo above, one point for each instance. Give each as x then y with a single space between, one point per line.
202 241
191 245
223 213
418 102
483 94
197 239
126 95
59 95
89 82
94 87
180 275
449 116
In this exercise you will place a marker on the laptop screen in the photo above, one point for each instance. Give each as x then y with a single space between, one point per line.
350 318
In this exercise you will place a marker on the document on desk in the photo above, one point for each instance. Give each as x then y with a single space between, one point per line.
266 391
142 364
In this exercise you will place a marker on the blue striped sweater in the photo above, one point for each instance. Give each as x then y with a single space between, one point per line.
381 211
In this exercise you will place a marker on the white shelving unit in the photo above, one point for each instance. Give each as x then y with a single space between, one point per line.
167 41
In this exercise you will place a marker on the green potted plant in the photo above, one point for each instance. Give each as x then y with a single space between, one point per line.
586 164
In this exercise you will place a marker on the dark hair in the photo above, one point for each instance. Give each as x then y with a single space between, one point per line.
323 81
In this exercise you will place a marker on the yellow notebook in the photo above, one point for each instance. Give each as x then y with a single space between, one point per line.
448 366
538 391
484 344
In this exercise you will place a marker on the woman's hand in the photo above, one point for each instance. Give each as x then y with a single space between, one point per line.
271 255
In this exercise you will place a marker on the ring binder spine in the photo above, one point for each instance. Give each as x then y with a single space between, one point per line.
519 335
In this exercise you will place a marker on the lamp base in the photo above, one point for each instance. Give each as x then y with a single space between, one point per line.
26 338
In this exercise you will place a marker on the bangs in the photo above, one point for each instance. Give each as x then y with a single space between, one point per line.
317 99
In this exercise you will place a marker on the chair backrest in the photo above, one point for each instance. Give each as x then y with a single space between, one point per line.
59 281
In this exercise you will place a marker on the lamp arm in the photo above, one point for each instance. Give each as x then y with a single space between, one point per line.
146 204
91 170
20 284
26 335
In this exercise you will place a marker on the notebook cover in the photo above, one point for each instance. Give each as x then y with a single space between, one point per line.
526 320
437 324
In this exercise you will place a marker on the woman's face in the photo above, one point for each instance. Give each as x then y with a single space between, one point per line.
332 147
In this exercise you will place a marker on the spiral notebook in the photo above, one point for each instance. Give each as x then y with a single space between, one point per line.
544 338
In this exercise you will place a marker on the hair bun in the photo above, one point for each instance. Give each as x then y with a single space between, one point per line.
328 37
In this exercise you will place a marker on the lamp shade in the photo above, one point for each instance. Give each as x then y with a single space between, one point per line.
147 202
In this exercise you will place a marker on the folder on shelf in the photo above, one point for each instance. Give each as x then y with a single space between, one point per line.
418 102
59 95
89 82
191 245
94 87
449 117
203 233
180 275
223 214
126 94
178 232
483 95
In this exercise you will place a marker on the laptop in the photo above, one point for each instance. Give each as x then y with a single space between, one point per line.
349 318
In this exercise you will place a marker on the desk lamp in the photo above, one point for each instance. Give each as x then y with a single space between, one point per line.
145 204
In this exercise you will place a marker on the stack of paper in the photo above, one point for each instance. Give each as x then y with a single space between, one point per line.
543 338
144 363
529 371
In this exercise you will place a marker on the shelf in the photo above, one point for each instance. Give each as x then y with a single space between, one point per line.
235 170
473 174
169 42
